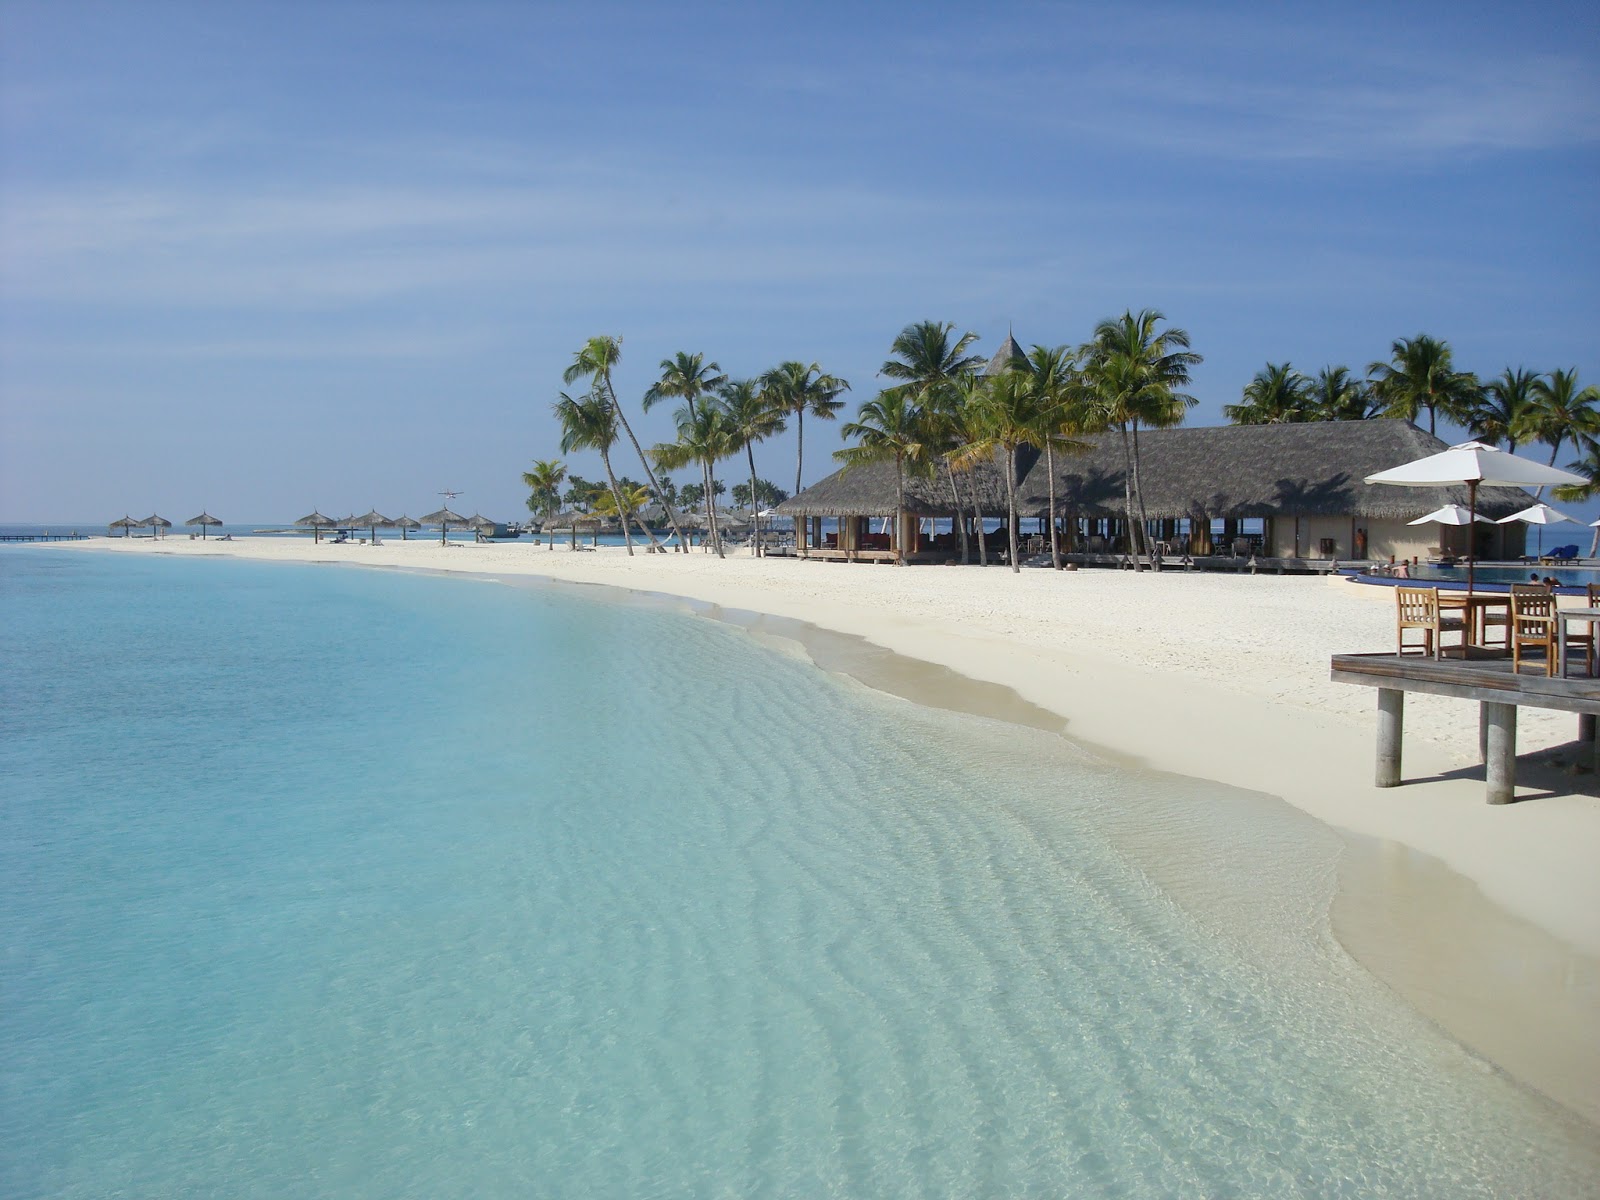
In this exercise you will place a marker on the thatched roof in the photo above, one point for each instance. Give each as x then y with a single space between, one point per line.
1310 469
373 520
155 522
868 490
1009 355
203 519
479 521
443 515
316 520
125 523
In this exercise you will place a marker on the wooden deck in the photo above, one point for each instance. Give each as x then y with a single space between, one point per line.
1484 676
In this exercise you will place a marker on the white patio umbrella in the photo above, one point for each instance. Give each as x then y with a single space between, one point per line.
1451 514
1540 515
1473 463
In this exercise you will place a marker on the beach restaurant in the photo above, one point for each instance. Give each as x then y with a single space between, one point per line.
1292 492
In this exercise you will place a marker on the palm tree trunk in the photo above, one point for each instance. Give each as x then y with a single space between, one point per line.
899 509
799 445
1127 499
616 495
977 511
755 507
1055 534
1138 492
1011 505
958 522
648 473
711 510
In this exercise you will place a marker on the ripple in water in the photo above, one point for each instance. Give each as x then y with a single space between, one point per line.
319 882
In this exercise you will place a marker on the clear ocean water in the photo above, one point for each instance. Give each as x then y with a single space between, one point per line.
339 882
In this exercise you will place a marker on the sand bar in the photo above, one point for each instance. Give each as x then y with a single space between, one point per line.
1224 677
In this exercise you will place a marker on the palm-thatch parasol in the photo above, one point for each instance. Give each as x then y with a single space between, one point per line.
570 521
203 520
405 523
444 518
125 525
317 523
372 522
155 524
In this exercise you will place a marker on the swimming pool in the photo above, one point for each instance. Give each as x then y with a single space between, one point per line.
1491 576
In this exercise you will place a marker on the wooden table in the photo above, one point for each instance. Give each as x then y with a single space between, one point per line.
1475 607
1591 615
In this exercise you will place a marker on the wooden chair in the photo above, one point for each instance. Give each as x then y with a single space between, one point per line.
1418 608
1533 623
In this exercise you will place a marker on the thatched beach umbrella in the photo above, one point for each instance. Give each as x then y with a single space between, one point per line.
203 520
125 525
405 523
444 518
155 524
372 521
317 523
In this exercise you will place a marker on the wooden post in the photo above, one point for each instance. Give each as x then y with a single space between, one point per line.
1391 726
1586 727
1500 763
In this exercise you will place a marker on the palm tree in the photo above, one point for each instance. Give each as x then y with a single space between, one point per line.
1560 411
1421 376
1589 467
1134 372
801 388
591 424
1503 407
930 367
888 428
633 499
1335 396
544 485
1277 395
704 437
594 361
751 419
1008 418
1059 400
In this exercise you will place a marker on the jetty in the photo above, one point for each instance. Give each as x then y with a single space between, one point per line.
44 537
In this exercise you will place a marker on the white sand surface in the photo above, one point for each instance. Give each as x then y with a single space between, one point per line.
1225 677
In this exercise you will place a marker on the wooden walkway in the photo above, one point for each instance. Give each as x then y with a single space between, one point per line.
44 537
1490 681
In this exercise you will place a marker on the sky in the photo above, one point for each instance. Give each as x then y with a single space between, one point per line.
265 258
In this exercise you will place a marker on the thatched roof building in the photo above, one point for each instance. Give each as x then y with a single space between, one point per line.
1308 478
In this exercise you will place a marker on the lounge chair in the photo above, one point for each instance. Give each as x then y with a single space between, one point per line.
1418 608
1560 554
1533 624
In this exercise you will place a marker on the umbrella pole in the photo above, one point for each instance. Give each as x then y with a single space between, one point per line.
1472 531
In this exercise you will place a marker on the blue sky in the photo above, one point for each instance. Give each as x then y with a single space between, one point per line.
260 258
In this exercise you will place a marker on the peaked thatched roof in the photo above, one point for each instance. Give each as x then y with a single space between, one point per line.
125 523
443 515
868 490
204 518
1010 354
406 523
316 520
1311 469
373 520
155 522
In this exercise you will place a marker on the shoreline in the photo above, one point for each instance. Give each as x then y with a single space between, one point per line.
1481 919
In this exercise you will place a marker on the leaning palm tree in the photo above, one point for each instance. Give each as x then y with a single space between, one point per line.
1420 375
1134 372
704 437
1278 395
1503 407
594 362
632 498
590 423
801 389
751 419
1062 412
1589 467
544 485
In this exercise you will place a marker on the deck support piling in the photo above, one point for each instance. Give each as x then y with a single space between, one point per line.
1391 727
1500 756
1586 727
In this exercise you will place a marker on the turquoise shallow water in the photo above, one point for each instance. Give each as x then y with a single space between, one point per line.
328 882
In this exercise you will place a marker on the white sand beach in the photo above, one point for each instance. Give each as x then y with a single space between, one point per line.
1486 918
